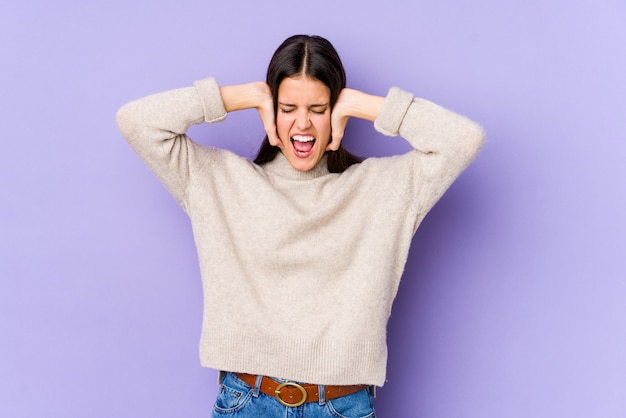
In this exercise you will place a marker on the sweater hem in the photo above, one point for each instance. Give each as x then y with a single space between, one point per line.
324 361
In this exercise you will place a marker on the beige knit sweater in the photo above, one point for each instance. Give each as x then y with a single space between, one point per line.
299 269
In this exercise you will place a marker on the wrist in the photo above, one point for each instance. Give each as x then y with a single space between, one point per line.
363 105
245 96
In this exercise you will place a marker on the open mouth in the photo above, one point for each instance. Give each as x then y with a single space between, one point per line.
303 145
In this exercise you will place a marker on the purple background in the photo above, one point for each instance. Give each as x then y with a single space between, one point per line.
514 299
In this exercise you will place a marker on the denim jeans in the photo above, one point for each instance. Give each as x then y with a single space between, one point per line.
239 400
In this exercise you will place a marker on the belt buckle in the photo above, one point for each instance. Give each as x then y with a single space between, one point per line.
295 385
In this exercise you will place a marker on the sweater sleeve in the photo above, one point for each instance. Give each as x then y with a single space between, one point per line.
155 127
444 143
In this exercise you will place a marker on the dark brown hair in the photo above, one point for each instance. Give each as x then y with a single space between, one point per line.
316 58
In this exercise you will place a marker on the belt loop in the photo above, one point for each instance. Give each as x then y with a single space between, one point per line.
322 394
257 386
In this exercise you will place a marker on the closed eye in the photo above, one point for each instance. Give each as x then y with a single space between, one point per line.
318 109
317 112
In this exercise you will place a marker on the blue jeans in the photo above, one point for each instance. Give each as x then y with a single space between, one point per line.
239 400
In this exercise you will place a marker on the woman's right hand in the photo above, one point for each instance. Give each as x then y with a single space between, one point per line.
256 95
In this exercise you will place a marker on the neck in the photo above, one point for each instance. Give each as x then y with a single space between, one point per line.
283 168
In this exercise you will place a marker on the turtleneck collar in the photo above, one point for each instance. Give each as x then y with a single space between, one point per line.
281 167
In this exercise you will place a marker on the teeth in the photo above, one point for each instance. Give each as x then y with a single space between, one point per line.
303 138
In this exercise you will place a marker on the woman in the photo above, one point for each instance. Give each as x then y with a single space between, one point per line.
301 251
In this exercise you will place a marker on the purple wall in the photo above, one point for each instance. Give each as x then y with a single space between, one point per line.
514 299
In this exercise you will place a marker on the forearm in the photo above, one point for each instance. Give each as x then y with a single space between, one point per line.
428 127
352 103
255 95
160 116
155 127
244 96
165 115
444 142
361 105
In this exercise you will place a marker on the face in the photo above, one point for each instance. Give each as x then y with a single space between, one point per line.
303 120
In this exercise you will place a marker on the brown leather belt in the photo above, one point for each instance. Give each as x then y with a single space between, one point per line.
293 394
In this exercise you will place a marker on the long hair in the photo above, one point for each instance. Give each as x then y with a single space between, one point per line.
316 58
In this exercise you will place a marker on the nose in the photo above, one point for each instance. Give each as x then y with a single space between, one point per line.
303 121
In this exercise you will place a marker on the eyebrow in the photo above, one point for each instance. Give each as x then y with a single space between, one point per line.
293 105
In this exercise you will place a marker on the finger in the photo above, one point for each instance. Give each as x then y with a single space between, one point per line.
272 135
267 117
274 140
338 126
335 142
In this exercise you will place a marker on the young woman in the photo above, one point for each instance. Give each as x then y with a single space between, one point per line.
301 251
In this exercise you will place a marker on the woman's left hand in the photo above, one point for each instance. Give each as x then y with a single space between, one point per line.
351 103
339 119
